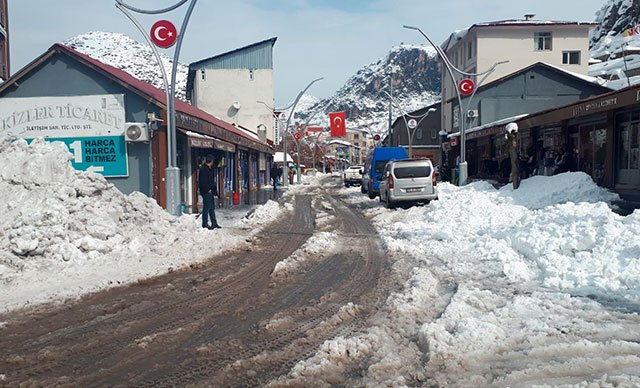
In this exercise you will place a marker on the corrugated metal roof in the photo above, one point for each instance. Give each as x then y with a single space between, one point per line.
258 55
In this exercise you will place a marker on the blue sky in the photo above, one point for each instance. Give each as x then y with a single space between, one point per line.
330 39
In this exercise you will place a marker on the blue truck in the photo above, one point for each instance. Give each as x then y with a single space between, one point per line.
374 165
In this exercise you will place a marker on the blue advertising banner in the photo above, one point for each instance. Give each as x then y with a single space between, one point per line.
106 155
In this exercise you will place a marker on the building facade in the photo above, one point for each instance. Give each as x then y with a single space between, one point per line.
67 96
521 43
423 128
532 89
237 87
5 70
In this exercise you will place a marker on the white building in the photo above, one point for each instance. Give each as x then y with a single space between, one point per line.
521 43
237 87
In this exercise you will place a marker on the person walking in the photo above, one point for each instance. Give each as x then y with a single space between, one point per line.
208 190
275 173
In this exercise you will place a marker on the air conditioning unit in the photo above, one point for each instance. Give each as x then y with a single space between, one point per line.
471 113
136 132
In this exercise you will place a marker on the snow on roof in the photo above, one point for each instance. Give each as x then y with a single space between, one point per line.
278 157
506 120
341 142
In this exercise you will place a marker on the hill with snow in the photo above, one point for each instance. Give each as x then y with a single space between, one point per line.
618 50
416 84
124 53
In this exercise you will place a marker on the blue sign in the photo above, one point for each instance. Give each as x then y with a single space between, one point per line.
106 155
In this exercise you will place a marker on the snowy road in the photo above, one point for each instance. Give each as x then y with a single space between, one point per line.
484 287
233 320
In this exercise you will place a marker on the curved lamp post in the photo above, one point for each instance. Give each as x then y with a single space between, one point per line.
285 182
410 131
450 69
172 172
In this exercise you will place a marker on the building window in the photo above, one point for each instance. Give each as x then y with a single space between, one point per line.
469 50
251 75
419 133
571 57
202 73
434 133
542 41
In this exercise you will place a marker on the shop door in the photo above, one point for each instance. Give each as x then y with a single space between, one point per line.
592 151
628 154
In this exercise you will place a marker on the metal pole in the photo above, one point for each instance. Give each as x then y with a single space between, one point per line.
285 173
390 102
462 121
172 172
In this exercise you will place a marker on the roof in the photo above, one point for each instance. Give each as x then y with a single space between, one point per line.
270 40
199 64
460 34
585 79
141 88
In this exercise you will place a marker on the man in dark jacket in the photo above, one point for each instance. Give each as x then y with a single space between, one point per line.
275 174
208 190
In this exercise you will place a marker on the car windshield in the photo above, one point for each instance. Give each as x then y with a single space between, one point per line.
412 171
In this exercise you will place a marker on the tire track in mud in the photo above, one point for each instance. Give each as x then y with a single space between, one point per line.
206 324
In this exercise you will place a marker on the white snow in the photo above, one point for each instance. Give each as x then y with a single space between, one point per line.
534 287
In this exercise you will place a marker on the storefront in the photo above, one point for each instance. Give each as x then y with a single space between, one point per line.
63 83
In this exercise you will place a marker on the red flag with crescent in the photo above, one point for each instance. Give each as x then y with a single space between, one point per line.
338 124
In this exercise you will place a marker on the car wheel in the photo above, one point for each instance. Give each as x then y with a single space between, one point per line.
371 195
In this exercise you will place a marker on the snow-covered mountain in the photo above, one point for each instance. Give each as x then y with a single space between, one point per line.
416 80
616 41
416 84
135 58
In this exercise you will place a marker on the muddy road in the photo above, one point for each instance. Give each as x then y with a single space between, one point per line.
230 321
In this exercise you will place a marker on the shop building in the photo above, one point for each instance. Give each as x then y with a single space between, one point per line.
423 128
602 133
115 124
531 89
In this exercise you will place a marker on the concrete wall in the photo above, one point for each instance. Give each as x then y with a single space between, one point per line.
221 88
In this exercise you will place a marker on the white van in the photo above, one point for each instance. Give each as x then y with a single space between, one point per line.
409 181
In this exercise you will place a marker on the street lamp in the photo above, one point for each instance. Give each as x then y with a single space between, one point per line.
392 68
172 172
450 69
286 130
407 125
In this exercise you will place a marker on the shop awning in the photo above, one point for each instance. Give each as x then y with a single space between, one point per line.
198 140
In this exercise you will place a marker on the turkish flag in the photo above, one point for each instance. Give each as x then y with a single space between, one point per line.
338 124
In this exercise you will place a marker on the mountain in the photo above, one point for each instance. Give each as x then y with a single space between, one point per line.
416 84
126 54
616 42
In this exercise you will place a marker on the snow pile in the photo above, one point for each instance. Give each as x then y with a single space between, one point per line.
65 232
318 247
501 287
540 191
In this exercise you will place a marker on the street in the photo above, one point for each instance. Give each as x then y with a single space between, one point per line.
228 320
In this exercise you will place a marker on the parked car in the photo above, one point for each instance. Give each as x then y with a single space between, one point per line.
374 165
352 175
408 181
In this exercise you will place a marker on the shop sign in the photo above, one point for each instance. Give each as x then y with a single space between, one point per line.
594 106
105 155
62 117
454 141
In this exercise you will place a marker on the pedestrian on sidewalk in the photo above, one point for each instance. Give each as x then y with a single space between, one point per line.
208 190
275 174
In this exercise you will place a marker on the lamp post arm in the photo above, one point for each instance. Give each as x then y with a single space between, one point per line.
286 128
151 12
